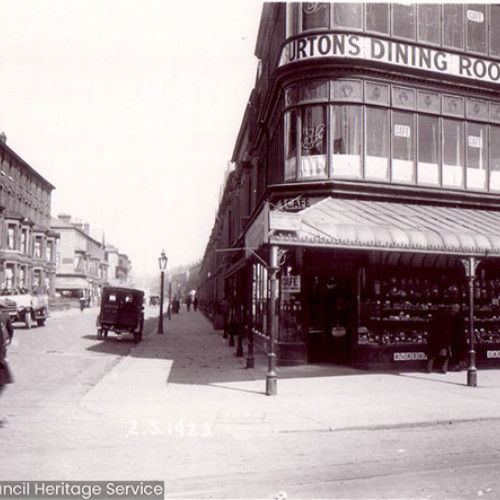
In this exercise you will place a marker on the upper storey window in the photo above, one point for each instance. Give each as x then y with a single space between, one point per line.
377 17
403 20
348 15
315 15
473 27
429 23
476 28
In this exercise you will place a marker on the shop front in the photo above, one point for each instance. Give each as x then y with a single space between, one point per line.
359 280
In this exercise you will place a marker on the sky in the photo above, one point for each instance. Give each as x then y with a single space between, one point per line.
131 109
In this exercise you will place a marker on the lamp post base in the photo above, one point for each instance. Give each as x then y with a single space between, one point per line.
271 385
472 377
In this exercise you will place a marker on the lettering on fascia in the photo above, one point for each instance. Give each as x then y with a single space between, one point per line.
374 49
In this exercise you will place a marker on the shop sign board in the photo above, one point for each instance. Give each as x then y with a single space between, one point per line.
394 53
258 233
409 356
284 221
492 354
290 283
295 204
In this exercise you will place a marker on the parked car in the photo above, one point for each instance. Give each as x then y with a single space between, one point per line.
26 306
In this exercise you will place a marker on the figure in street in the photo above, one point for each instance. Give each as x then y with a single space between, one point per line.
439 341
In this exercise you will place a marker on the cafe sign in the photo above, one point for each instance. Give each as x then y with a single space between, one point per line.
290 283
367 48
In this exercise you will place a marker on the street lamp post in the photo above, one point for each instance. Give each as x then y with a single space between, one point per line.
162 261
470 266
271 377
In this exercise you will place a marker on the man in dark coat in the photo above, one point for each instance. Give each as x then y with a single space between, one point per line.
439 341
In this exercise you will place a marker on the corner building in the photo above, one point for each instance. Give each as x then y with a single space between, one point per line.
366 175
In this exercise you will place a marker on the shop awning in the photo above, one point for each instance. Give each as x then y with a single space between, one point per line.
389 226
71 283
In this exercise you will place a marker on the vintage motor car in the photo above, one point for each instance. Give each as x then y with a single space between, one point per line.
26 306
122 312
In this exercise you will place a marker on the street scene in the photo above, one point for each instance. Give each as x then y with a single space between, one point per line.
182 408
249 250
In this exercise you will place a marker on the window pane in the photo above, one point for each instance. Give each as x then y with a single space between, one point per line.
292 19
377 144
429 23
476 156
377 17
313 142
403 20
315 15
495 158
291 145
453 161
495 30
347 141
403 152
453 25
476 28
428 150
348 15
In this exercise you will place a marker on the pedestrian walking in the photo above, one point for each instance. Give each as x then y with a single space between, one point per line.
458 359
188 302
195 304
439 341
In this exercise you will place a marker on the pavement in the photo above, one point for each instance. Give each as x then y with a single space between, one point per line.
189 380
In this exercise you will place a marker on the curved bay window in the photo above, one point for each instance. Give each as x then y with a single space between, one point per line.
476 156
403 149
306 127
437 140
429 151
453 156
495 158
377 143
347 134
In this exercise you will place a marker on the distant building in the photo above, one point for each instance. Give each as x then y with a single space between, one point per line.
82 269
27 243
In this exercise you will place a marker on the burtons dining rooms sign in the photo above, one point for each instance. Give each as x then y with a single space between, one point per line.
353 46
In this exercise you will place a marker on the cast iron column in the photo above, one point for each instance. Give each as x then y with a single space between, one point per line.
470 265
160 319
271 378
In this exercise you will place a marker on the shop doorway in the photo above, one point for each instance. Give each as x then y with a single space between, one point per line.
329 318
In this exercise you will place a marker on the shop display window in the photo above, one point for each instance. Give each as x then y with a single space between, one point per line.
453 22
347 130
495 158
453 156
313 142
476 145
403 20
348 15
495 30
377 143
476 27
429 23
377 17
315 15
403 149
429 154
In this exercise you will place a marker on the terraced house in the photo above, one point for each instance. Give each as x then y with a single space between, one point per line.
27 243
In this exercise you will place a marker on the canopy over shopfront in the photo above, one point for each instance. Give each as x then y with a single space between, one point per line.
389 226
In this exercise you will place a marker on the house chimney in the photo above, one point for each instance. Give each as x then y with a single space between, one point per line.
64 217
3 138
